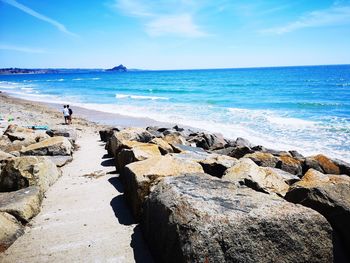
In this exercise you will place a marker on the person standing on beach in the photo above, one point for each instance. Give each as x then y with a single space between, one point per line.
70 115
65 114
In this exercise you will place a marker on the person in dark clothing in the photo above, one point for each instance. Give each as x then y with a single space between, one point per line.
70 115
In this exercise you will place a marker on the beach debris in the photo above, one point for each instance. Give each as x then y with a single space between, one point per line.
96 174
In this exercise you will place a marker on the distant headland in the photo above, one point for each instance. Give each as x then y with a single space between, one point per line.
10 71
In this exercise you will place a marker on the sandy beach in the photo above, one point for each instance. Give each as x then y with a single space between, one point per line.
82 219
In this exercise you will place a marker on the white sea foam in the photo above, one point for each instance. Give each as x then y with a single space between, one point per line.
78 79
139 97
95 78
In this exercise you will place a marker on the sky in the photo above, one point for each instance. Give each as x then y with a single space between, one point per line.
173 34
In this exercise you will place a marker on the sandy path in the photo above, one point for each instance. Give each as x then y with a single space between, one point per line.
82 219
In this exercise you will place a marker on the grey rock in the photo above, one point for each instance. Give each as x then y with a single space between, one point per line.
70 134
23 204
10 230
60 160
193 218
329 195
53 146
21 172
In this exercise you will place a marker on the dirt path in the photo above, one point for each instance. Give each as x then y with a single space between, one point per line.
82 219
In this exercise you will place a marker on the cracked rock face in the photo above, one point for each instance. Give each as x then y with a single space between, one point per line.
193 218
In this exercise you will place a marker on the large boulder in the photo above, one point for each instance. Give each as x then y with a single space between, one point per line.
235 151
208 141
52 146
140 177
60 160
258 178
216 165
329 195
130 134
21 172
175 139
134 152
195 218
263 159
10 230
15 132
326 165
290 164
106 134
70 134
22 204
8 146
4 156
163 146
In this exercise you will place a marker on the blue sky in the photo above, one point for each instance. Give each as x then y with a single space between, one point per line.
173 34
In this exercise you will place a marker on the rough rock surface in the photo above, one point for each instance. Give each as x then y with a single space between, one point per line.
22 204
216 165
60 160
137 152
21 172
139 177
53 146
329 195
258 178
263 159
4 156
208 141
10 230
323 164
204 219
70 134
106 134
129 134
163 146
290 164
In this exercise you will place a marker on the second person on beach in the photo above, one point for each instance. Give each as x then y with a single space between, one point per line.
65 114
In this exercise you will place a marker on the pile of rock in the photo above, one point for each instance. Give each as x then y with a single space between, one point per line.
201 198
29 162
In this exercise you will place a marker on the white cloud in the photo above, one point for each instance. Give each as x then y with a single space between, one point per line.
162 18
37 15
179 25
21 49
335 15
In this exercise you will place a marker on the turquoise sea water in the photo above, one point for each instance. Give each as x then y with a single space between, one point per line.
302 108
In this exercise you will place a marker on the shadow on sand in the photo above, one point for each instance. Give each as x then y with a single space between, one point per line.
124 216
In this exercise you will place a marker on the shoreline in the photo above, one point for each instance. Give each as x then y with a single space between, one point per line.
103 119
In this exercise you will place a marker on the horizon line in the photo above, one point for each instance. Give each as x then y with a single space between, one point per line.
139 69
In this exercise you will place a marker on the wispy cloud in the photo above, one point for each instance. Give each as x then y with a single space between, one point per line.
335 15
180 25
21 49
161 18
42 17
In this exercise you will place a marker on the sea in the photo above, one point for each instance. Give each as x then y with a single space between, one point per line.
302 108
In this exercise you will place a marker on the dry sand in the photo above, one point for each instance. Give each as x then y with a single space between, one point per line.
83 219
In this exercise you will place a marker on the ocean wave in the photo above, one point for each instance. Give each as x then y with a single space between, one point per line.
95 78
139 97
77 79
53 80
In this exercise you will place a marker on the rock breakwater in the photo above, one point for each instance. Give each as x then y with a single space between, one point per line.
202 198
